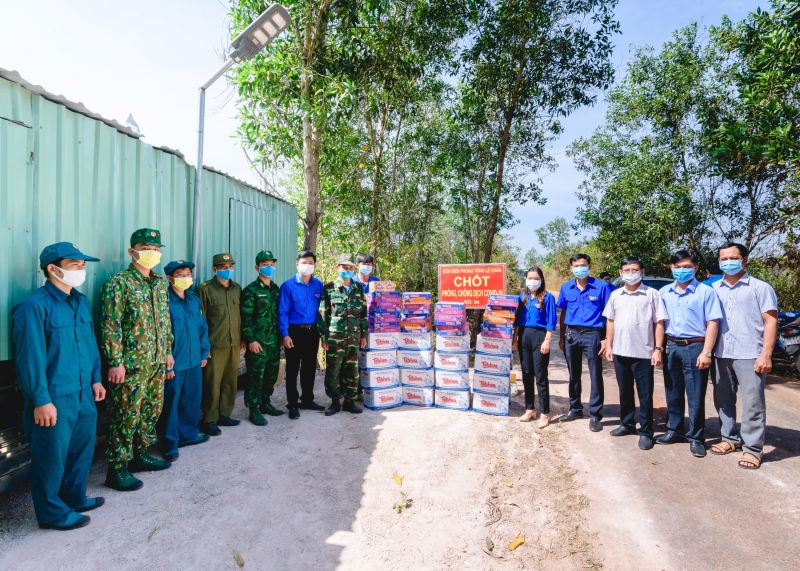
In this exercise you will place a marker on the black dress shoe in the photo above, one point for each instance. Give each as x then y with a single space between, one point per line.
311 406
199 439
697 449
350 406
334 408
594 424
211 429
228 421
670 437
91 504
571 415
622 431
171 456
294 413
645 442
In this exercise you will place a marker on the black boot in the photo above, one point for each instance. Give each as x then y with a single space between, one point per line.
334 408
350 406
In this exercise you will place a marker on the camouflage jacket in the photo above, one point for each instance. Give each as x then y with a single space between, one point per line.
343 314
260 313
135 322
221 308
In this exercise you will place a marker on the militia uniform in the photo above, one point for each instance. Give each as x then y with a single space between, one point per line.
221 306
342 325
57 362
260 324
137 334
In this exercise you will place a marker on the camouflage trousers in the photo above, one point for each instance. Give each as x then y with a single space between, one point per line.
262 374
341 370
134 408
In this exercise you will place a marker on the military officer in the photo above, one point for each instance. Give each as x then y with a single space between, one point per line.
183 386
343 330
220 297
58 368
260 333
137 341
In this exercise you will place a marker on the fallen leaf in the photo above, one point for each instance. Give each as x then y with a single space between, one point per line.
354 447
516 442
152 533
398 480
509 502
378 534
517 542
491 553
508 484
468 468
489 544
239 559
495 456
655 463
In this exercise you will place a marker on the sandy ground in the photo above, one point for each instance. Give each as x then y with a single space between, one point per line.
318 493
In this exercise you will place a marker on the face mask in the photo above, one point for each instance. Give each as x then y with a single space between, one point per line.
305 269
72 278
632 278
731 267
148 258
533 284
365 270
182 283
580 272
345 274
267 271
683 274
224 274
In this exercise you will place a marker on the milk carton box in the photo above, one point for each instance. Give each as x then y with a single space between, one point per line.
377 359
418 396
455 400
417 297
381 341
493 364
502 301
415 359
452 380
490 404
377 399
493 346
447 344
423 378
379 378
414 341
451 361
486 383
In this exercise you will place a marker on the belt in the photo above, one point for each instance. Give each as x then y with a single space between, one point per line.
301 326
584 329
685 342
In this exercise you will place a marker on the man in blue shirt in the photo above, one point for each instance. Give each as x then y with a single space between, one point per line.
713 272
693 311
58 368
581 302
298 311
183 385
365 265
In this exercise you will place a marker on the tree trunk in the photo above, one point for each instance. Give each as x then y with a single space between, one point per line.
498 191
311 146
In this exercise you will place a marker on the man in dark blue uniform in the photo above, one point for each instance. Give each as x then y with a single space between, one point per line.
58 368
581 302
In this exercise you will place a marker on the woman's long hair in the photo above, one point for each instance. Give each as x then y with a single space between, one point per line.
539 293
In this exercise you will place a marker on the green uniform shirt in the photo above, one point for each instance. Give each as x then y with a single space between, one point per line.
221 308
343 313
135 322
260 313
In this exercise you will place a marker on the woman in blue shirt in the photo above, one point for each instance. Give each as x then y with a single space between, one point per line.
534 325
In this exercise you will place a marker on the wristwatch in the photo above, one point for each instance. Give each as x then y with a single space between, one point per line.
659 349
707 354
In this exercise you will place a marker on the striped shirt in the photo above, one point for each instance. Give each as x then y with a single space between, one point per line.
741 329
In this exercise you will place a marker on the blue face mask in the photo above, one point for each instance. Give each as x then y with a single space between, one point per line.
580 272
731 267
267 271
345 274
224 274
683 274
365 270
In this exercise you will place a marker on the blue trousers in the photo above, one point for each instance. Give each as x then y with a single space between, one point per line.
180 416
639 372
576 345
683 378
61 455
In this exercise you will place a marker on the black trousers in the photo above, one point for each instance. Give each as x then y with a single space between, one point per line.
682 377
576 346
534 368
630 371
301 358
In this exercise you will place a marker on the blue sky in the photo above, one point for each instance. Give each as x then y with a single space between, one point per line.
148 57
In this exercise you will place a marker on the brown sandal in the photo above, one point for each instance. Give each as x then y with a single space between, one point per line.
748 458
722 448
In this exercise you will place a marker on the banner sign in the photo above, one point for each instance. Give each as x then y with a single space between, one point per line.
471 283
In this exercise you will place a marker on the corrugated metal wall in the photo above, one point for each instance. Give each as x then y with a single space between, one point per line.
67 177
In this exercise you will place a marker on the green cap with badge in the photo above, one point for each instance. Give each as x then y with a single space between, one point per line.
264 256
146 236
346 260
220 259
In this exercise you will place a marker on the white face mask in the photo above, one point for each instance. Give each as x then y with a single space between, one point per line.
631 279
533 284
305 269
72 278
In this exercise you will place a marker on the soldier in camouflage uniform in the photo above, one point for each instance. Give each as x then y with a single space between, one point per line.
343 330
260 332
137 341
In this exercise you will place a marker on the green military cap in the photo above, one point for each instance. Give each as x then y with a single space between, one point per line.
220 259
264 256
346 260
146 236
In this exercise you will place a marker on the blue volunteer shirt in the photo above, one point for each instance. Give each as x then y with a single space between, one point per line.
712 279
584 308
369 281
532 315
689 311
298 303
55 350
190 330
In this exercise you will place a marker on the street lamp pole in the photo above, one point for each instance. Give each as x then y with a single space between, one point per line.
245 46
